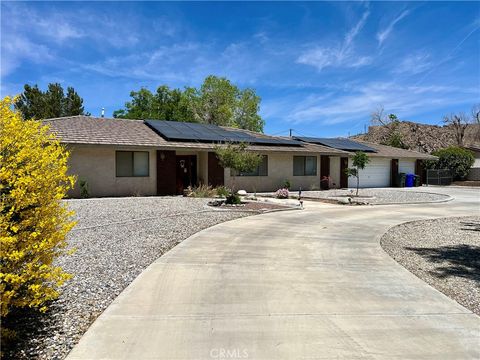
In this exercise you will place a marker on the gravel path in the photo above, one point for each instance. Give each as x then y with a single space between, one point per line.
115 239
378 196
445 253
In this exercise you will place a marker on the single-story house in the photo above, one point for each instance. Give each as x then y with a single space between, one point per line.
118 157
474 173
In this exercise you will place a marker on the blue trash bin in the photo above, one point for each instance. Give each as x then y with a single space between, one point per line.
409 180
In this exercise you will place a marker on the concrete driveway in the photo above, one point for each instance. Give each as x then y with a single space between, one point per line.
312 284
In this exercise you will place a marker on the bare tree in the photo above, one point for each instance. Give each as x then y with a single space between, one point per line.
390 122
380 117
476 113
476 121
459 122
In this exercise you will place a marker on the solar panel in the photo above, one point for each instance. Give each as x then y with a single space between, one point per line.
337 143
183 131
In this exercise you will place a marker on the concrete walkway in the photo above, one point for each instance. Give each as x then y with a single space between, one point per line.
312 284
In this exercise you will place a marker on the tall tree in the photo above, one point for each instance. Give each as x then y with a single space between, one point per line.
34 103
73 103
217 101
246 112
217 97
31 103
165 104
54 101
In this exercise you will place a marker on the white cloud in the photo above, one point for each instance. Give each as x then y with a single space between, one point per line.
357 102
55 27
414 64
18 48
339 56
383 34
188 63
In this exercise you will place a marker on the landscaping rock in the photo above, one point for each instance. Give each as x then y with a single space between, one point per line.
445 253
377 196
115 239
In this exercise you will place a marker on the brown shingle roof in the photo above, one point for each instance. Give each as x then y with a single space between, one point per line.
89 130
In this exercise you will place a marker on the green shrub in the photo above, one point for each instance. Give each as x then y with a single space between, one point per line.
458 160
223 191
287 184
84 191
233 199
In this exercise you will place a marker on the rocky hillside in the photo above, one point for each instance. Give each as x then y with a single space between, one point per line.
422 137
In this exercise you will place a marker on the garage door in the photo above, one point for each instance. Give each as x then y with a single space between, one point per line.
406 166
375 174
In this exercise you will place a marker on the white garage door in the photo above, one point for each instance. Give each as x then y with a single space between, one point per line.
406 166
375 174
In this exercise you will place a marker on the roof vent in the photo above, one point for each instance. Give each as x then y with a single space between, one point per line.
103 112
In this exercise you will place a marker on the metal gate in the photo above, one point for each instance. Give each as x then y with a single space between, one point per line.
439 177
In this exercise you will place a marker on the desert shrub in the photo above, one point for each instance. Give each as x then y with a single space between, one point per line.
33 221
458 160
282 194
233 199
201 191
84 191
223 191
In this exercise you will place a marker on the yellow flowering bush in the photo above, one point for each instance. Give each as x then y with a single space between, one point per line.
33 221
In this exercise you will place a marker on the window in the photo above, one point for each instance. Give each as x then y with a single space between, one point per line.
132 163
304 165
261 170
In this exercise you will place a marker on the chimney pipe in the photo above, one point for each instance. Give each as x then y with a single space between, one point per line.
103 112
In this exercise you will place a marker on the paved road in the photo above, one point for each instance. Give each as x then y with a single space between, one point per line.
312 284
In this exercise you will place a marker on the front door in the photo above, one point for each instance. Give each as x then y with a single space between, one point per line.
166 172
394 173
186 172
343 172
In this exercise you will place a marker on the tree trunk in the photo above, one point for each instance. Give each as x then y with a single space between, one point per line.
358 184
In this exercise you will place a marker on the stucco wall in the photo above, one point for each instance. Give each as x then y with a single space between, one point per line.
280 168
96 165
202 166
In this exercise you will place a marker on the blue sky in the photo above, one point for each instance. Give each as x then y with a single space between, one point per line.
320 68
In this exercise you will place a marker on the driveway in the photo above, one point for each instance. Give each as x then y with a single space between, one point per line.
312 284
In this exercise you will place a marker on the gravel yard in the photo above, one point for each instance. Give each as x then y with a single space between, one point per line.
377 196
115 239
445 253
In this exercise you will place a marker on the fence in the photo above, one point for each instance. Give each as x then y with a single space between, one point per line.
439 177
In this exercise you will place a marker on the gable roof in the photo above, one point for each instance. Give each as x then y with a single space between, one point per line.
88 130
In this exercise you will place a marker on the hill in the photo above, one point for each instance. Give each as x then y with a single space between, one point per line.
422 137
